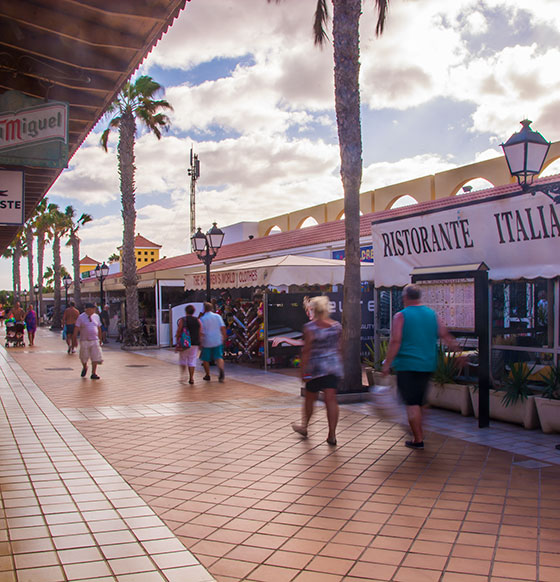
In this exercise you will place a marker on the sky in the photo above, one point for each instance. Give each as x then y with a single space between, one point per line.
444 85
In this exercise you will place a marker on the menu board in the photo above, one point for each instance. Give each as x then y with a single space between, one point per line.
452 300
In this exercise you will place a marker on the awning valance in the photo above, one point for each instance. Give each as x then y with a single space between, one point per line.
275 271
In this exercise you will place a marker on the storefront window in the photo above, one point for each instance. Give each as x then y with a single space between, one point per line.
390 302
522 313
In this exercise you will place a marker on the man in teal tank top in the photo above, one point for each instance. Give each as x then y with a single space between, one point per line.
412 352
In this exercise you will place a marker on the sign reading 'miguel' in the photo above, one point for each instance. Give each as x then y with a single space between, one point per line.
33 132
517 236
32 125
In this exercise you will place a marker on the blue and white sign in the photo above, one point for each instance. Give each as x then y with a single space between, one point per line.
11 197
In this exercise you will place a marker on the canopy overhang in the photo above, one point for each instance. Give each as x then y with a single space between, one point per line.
276 271
80 52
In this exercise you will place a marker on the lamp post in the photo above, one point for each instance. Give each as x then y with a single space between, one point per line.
101 272
66 281
36 291
525 153
206 247
25 296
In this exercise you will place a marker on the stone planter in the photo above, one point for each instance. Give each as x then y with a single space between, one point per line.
549 414
523 413
454 397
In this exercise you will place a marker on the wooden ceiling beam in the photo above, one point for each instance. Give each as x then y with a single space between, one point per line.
34 88
45 46
40 71
71 26
128 8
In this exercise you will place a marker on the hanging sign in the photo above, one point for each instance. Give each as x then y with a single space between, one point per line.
11 198
517 235
33 132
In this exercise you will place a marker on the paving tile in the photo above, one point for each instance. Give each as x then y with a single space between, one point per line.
216 467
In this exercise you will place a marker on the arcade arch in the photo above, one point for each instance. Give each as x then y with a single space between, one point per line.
472 186
405 200
309 221
273 229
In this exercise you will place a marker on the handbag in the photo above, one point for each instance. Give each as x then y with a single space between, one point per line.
185 339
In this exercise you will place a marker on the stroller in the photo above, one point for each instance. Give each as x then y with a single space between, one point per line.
14 333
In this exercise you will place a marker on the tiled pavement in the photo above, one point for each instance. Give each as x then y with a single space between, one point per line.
137 478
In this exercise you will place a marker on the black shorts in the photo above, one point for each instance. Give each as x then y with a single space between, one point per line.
319 384
69 328
413 386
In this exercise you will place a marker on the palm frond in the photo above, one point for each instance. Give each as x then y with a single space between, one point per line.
382 9
320 22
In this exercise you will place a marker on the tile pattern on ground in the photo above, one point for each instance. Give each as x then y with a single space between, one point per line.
64 508
252 501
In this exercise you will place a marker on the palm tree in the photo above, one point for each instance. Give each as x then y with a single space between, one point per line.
346 20
74 242
15 251
48 277
42 229
60 225
135 101
30 232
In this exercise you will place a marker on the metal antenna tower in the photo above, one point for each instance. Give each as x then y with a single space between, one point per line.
194 173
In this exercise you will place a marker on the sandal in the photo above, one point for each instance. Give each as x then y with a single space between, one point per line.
299 429
331 441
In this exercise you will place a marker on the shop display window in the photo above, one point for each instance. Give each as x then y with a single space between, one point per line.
522 313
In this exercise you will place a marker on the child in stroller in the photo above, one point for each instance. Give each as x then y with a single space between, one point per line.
14 333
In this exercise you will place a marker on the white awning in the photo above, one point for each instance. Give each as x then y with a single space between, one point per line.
275 271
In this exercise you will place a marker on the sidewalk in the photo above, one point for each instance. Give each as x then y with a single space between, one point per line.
137 478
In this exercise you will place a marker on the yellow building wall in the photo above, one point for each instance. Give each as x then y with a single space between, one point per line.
145 256
431 187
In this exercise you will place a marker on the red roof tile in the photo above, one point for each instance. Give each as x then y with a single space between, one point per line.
141 241
89 261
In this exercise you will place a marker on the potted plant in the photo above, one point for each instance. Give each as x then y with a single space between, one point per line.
374 362
444 390
513 401
548 402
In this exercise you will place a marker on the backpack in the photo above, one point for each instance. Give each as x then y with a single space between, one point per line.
184 342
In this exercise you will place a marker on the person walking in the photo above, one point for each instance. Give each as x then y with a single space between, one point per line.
321 365
412 352
188 357
31 324
88 325
212 340
69 318
105 322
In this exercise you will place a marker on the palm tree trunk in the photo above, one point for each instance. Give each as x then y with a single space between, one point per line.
77 297
126 172
346 19
57 319
29 244
40 260
17 271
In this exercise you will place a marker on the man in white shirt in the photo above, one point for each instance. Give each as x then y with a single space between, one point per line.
212 341
88 325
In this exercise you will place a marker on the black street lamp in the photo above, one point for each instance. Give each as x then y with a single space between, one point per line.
525 153
36 291
206 247
66 281
25 296
101 272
